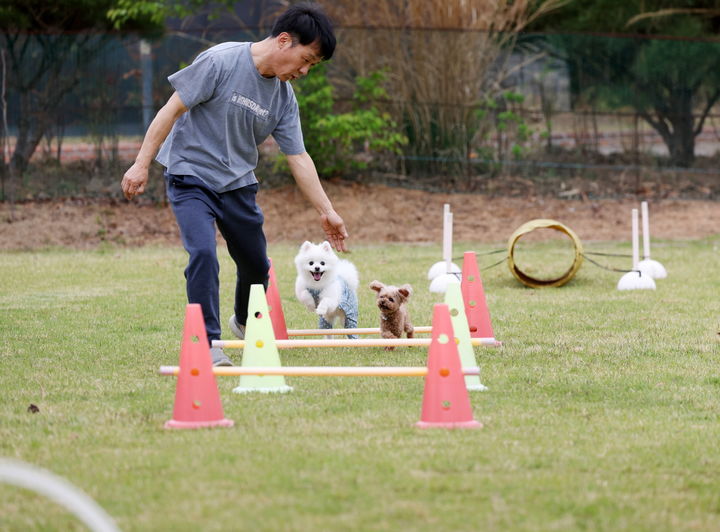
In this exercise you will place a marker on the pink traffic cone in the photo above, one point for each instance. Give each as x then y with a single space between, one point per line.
476 309
277 317
446 403
197 399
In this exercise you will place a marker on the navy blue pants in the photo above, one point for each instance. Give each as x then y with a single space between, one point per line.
198 209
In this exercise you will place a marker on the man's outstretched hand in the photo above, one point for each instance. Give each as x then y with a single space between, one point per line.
334 228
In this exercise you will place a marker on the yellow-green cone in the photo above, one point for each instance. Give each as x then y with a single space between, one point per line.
454 300
260 348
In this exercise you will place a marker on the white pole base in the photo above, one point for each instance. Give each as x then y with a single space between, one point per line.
636 281
440 268
652 268
440 283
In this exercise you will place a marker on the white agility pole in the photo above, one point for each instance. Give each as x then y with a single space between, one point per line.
447 240
649 266
320 371
423 329
59 490
360 342
452 273
635 279
446 265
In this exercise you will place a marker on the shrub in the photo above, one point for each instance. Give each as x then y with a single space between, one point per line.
339 142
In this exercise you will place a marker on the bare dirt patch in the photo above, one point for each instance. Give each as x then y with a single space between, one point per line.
373 214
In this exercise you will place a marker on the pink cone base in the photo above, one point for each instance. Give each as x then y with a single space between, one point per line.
173 424
453 425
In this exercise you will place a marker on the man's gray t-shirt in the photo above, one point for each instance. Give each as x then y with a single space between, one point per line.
231 110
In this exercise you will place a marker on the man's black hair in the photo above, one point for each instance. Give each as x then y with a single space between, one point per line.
307 23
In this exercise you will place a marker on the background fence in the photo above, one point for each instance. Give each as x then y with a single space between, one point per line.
573 115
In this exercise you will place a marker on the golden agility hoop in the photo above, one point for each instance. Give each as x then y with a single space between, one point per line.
526 228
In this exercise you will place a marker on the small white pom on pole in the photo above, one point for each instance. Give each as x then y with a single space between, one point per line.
635 279
649 266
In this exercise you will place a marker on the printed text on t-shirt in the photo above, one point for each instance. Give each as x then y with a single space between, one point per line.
250 105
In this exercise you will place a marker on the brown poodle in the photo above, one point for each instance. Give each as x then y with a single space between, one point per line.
394 318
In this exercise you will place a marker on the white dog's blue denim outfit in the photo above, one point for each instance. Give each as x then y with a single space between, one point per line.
348 304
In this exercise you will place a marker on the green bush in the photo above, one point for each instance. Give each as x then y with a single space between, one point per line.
342 141
512 134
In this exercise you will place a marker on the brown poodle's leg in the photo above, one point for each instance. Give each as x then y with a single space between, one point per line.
409 330
388 335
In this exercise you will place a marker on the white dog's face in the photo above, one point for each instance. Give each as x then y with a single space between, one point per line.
313 261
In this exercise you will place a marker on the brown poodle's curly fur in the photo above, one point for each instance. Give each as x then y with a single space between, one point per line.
394 317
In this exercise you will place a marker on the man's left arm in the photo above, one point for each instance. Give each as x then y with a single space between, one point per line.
306 176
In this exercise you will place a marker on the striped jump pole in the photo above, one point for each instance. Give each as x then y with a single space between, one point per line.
319 371
360 342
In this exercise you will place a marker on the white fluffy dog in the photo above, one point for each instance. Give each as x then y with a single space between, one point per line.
327 285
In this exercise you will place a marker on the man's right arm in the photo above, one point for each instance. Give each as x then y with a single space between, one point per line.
135 179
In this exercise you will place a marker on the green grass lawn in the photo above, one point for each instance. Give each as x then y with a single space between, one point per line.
602 411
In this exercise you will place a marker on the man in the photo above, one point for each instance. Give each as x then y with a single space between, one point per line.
230 99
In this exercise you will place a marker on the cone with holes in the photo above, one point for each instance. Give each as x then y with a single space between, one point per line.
197 399
446 403
275 306
260 348
476 309
454 301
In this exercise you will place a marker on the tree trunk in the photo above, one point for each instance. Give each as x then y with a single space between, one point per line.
676 127
31 128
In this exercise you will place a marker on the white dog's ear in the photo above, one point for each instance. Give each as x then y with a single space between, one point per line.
326 246
405 291
306 245
376 285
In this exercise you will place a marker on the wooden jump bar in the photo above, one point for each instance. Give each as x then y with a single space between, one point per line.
360 342
342 332
320 371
